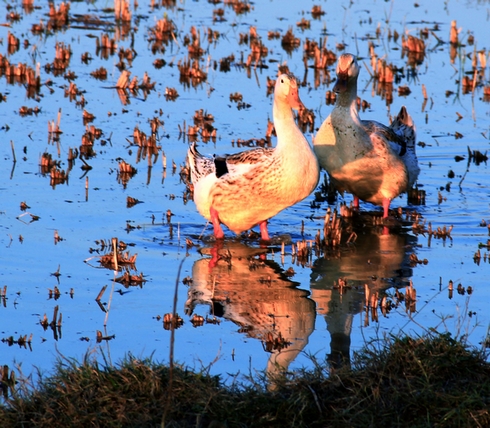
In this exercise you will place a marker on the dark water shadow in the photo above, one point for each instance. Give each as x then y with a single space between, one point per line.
376 262
244 287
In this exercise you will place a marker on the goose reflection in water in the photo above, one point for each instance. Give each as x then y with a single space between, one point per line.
244 287
380 260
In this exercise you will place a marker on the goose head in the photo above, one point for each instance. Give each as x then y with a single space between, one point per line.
347 71
286 91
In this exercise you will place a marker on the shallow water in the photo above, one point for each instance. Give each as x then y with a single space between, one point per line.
252 308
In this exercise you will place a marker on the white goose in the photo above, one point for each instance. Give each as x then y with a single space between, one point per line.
248 188
374 162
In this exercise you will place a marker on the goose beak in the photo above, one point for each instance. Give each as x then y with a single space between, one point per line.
293 98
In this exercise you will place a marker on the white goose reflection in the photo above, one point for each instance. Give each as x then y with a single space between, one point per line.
377 259
244 287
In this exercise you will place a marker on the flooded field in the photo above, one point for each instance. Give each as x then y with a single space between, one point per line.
98 109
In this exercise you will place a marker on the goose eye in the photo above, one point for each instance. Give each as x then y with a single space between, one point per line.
282 80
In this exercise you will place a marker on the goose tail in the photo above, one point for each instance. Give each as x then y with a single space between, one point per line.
404 127
200 166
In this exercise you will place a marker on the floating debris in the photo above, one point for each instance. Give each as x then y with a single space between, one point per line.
87 117
126 172
416 196
57 177
128 280
303 24
121 10
317 12
289 41
61 59
332 231
170 321
212 320
476 156
274 344
330 98
161 34
131 202
414 48
236 97
443 233
100 73
22 341
414 260
28 111
100 337
171 94
197 320
191 73
123 259
24 206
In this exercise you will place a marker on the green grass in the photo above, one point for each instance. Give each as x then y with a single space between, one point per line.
430 381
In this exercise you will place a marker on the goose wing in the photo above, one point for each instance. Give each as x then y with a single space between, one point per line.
234 164
387 134
243 162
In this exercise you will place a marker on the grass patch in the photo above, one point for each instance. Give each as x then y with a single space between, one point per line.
430 381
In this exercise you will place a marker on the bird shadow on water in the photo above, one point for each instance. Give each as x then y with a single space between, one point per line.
364 275
256 294
238 282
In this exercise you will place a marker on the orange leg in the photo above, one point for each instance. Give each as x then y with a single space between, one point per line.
218 231
356 202
263 231
215 254
386 207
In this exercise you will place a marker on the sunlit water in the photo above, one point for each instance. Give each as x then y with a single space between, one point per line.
252 307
